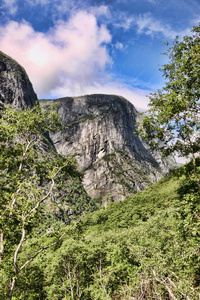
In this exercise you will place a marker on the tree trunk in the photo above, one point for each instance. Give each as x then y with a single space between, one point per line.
12 288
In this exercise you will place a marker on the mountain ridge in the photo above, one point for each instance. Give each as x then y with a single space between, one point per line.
99 133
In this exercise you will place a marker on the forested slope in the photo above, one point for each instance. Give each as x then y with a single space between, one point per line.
146 247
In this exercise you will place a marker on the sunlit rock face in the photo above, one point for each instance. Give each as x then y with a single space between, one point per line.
100 134
15 86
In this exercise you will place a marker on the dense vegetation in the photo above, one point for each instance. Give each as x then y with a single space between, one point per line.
172 124
146 247
35 182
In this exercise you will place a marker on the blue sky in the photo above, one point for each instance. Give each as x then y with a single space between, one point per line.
71 48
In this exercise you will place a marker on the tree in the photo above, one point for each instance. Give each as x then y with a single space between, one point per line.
173 121
29 167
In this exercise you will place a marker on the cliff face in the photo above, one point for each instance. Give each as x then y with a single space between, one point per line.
15 86
100 134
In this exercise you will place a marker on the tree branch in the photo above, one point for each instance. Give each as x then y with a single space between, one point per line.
15 258
167 287
12 202
24 154
42 249
48 194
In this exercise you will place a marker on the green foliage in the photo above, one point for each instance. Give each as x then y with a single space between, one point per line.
39 189
146 247
71 200
173 124
89 117
27 178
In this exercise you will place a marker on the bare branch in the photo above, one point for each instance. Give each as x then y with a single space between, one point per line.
41 200
42 249
11 204
19 246
15 259
172 283
167 287
24 154
48 194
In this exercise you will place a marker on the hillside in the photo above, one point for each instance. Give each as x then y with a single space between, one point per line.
146 247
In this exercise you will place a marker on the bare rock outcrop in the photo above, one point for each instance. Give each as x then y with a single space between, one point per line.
100 134
15 86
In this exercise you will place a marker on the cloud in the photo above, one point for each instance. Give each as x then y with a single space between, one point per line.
145 24
124 21
72 53
148 25
102 10
10 6
119 46
70 59
138 97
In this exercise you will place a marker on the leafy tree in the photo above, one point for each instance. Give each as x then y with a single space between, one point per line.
29 167
173 121
146 247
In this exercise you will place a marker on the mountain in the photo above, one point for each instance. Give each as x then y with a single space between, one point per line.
100 134
15 86
146 247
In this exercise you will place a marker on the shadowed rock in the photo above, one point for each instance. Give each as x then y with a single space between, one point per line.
15 86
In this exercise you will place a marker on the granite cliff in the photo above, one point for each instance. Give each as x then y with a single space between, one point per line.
15 86
100 134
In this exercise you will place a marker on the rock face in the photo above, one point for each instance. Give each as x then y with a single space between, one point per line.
15 86
100 134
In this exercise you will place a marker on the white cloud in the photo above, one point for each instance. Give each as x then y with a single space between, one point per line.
150 26
70 59
136 96
124 22
72 52
10 6
102 10
145 24
119 46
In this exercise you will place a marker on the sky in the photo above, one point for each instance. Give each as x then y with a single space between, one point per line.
74 47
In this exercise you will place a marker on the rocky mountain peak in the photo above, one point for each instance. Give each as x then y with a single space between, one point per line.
100 134
15 86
